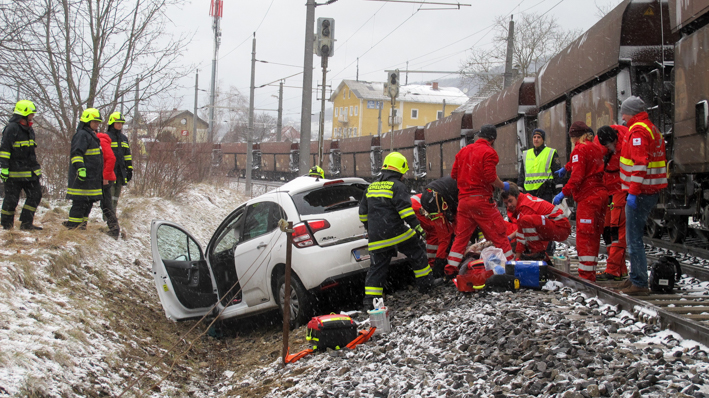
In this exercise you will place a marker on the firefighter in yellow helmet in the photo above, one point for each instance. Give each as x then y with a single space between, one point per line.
392 226
316 171
124 160
19 169
85 169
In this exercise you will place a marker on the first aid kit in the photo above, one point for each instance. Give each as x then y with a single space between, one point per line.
331 331
531 274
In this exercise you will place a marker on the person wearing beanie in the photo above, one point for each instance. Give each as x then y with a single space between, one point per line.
19 169
121 150
590 195
475 170
643 174
612 139
109 179
537 171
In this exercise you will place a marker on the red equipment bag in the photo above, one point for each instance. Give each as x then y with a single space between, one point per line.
472 276
331 331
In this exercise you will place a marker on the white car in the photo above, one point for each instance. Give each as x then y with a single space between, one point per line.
243 265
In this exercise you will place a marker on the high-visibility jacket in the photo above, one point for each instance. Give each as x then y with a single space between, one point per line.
643 163
385 209
586 167
121 149
611 178
85 153
17 150
439 232
537 168
475 169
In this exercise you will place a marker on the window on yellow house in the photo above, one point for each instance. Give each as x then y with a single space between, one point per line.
350 110
355 132
356 110
335 112
414 113
439 115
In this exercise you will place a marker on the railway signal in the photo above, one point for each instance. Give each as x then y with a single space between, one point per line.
325 43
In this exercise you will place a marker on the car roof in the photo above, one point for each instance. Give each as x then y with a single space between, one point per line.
305 183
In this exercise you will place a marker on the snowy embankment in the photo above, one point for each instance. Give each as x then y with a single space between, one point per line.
78 311
528 343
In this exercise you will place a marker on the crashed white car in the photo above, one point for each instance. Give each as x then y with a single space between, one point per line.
243 265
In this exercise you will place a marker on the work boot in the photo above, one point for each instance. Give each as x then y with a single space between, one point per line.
83 225
626 284
636 291
114 233
368 303
7 226
605 276
70 225
27 226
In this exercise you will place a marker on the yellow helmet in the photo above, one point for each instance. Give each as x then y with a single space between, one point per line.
316 171
396 162
116 117
24 108
91 114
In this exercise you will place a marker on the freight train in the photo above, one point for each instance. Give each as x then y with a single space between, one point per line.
655 49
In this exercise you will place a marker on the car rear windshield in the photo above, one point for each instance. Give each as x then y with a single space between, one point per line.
329 198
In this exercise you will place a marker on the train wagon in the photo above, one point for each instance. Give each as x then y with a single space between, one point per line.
275 161
444 138
356 157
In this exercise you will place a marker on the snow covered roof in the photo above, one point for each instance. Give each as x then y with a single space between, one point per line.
409 93
166 116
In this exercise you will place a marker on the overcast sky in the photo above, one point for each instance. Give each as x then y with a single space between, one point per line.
383 36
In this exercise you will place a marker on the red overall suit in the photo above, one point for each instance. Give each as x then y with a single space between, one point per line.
475 171
538 222
591 196
615 218
439 232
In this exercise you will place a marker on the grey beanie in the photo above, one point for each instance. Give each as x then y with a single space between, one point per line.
632 106
488 131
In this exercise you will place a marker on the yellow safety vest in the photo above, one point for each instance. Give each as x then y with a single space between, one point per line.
537 169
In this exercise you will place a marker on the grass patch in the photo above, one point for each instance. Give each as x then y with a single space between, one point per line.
60 264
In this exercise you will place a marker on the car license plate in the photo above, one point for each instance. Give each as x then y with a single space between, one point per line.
361 254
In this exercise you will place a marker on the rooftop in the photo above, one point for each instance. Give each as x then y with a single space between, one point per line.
409 93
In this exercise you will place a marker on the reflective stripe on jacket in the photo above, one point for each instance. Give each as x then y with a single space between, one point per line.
643 163
121 149
537 169
17 150
85 153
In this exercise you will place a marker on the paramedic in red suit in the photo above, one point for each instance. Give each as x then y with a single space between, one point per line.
475 171
591 196
538 221
439 233
612 139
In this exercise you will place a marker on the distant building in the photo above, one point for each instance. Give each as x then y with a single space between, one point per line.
175 125
356 107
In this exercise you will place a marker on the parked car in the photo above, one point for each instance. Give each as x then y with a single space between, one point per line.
243 265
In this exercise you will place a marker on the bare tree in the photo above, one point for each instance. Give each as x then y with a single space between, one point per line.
69 55
603 9
537 39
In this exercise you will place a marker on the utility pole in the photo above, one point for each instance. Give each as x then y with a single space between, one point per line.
321 135
215 11
134 140
407 74
379 124
306 105
357 76
250 131
510 49
194 116
18 94
391 139
443 114
279 122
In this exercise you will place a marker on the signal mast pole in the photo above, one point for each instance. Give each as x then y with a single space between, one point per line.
215 11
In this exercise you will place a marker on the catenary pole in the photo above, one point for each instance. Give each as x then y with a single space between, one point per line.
307 103
509 56
279 122
250 131
194 115
321 135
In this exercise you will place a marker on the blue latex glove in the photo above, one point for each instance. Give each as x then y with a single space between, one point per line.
558 198
560 172
632 201
506 186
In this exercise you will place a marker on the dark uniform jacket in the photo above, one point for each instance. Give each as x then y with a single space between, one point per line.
124 161
85 153
383 210
17 150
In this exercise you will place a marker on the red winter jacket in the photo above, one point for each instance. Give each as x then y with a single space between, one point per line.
475 169
528 205
440 228
109 159
611 178
643 163
586 172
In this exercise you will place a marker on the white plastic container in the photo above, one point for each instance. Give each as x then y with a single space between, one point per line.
379 317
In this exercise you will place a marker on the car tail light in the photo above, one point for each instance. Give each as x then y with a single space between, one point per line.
303 232
333 182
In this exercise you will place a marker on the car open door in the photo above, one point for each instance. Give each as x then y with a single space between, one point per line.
181 272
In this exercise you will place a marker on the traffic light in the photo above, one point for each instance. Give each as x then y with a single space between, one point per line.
325 44
392 84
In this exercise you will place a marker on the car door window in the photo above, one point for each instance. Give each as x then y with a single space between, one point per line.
176 245
261 218
230 236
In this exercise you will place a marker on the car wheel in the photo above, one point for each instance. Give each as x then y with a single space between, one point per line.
300 300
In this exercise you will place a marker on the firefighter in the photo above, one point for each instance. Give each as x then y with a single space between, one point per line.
19 169
612 140
591 196
538 223
385 210
475 171
124 160
85 170
439 234
317 172
439 201
643 171
109 180
538 166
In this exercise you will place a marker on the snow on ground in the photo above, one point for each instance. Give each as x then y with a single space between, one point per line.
74 304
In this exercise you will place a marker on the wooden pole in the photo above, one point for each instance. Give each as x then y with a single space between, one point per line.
286 298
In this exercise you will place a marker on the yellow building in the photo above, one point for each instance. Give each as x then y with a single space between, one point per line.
356 107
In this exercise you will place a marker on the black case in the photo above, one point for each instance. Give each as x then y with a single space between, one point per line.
331 331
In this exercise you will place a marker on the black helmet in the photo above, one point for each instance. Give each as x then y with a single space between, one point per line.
606 135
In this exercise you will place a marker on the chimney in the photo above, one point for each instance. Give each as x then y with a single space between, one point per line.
435 85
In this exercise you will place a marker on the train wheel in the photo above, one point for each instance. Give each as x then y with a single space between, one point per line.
653 229
677 229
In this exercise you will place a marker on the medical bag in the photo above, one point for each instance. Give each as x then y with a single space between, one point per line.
331 331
